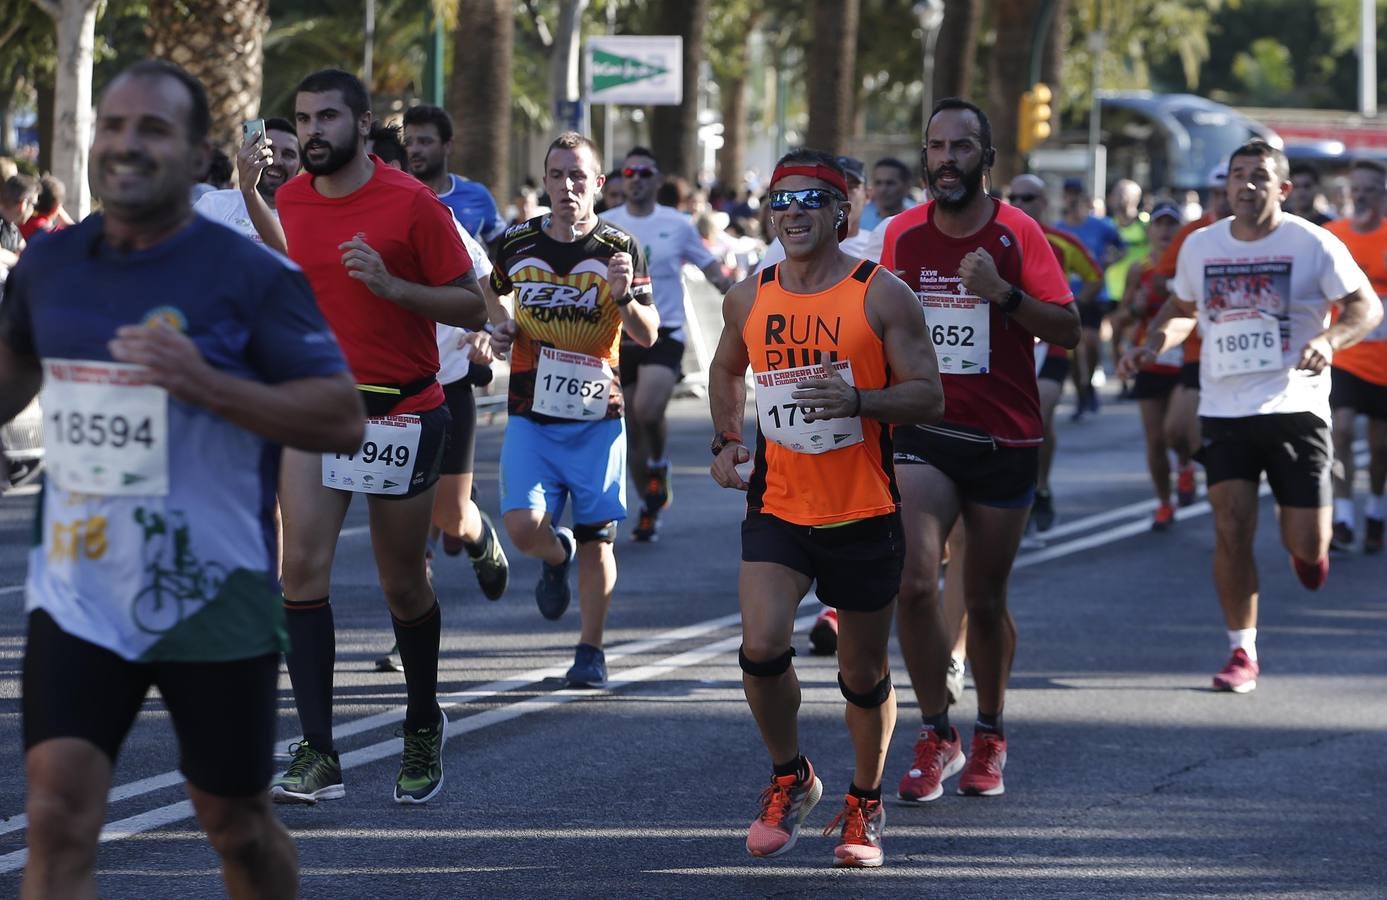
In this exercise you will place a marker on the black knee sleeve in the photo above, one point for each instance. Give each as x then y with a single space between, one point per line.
870 700
771 668
586 534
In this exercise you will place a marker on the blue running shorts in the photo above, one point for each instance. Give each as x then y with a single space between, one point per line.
542 466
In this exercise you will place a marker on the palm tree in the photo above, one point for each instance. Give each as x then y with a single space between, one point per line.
480 93
833 73
222 42
674 129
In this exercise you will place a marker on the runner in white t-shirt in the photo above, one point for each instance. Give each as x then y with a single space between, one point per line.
1261 285
648 374
264 163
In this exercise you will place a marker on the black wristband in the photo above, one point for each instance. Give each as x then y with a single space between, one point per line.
1014 298
857 409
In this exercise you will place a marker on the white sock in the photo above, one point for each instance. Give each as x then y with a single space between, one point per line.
1343 510
1246 638
1376 507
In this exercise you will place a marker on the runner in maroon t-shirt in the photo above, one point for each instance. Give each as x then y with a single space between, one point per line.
989 285
384 259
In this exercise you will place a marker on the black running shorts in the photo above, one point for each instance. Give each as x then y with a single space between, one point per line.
460 449
1054 368
435 425
224 713
856 567
1294 450
1347 390
982 471
666 351
1154 385
1189 376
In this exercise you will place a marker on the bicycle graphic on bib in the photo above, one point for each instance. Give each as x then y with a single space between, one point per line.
164 600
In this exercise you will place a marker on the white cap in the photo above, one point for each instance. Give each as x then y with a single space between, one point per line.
1218 175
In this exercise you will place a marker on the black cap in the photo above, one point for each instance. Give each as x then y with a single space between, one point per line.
1168 210
854 168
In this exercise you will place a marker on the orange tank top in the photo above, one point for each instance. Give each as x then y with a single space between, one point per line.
785 330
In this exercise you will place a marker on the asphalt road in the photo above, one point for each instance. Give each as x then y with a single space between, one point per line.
1127 776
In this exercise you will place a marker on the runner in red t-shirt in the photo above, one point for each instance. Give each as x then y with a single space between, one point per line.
385 261
990 285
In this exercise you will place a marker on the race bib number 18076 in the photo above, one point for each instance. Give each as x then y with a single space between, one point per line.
1243 342
105 429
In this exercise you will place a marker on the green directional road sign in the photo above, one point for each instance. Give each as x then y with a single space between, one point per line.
635 70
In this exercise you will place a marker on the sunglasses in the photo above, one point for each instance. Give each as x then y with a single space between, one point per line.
639 171
1023 198
809 198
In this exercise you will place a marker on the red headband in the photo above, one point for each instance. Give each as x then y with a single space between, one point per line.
821 172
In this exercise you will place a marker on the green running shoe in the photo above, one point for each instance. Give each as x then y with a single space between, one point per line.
312 776
421 764
492 567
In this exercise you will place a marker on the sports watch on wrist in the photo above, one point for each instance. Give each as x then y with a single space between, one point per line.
1013 300
722 439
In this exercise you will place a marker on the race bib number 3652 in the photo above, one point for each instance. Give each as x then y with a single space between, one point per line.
782 421
105 429
384 462
959 325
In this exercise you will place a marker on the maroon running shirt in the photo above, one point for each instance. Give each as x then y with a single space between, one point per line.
987 360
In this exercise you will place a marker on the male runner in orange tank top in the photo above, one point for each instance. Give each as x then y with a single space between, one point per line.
837 348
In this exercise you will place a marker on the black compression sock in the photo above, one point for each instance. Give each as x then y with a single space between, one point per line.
312 653
798 767
991 723
863 793
940 724
418 640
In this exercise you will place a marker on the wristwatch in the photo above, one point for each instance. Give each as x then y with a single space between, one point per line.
1013 300
722 439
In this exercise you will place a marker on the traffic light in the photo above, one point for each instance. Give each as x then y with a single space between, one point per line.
1033 123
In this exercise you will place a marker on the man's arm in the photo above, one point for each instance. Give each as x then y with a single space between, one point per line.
713 272
459 302
20 378
639 317
727 384
1173 325
251 161
1362 311
915 395
640 321
316 414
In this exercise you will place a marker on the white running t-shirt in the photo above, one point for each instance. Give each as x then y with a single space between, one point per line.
1259 302
669 240
453 363
229 208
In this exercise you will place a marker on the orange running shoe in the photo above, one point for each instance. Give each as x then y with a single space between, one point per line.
784 806
1185 488
823 637
859 844
1164 518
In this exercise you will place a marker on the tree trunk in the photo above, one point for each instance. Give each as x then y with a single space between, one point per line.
732 156
72 96
44 103
955 53
564 86
482 46
832 74
674 129
7 93
222 44
1052 60
1009 77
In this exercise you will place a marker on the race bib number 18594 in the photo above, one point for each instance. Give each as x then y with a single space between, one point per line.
105 429
782 421
384 462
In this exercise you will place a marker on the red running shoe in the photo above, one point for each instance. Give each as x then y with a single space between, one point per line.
859 846
935 760
1240 675
987 757
1311 574
1164 518
1185 488
784 806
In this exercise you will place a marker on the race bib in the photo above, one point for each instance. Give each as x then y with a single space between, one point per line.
782 421
105 429
383 463
1244 341
960 325
572 385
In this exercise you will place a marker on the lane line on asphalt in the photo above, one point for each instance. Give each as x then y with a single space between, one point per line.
174 812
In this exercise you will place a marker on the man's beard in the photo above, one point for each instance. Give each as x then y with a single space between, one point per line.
268 190
969 186
428 171
337 157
